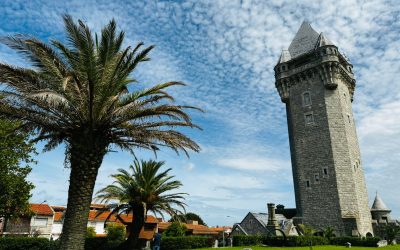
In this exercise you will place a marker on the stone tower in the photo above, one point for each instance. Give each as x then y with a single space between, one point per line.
316 83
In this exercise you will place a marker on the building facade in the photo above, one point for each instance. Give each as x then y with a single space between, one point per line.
316 83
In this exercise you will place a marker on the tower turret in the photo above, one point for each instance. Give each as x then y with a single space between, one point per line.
316 83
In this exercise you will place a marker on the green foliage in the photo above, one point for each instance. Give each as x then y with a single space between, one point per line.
187 217
294 241
247 240
115 232
391 231
355 241
90 232
306 229
101 244
15 158
190 242
329 232
144 188
80 93
299 241
27 243
176 229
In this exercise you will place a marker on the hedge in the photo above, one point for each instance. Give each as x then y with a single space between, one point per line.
28 243
243 240
365 242
24 243
302 241
188 242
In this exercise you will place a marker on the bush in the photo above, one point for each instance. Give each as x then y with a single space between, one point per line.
294 241
247 240
115 232
90 232
189 242
101 244
355 241
302 241
24 243
176 229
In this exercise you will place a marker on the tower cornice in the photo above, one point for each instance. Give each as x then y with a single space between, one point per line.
325 62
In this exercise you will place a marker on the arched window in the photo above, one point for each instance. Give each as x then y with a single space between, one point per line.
306 99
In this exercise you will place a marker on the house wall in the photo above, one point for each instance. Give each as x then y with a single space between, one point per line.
41 230
98 226
56 230
20 226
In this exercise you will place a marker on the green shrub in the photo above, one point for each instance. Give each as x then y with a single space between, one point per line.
248 240
189 242
24 243
302 241
115 232
90 232
355 241
176 229
101 244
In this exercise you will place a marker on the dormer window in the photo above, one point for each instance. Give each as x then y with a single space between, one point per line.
306 99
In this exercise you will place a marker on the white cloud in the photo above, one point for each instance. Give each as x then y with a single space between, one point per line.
225 51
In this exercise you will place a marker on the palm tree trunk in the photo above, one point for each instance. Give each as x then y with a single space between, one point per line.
133 241
85 162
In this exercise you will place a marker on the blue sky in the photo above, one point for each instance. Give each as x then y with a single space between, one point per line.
225 51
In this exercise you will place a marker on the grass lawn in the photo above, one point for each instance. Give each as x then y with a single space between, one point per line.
395 247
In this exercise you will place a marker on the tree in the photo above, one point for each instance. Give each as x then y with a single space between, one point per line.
15 158
391 232
81 94
329 233
115 232
188 217
145 188
176 229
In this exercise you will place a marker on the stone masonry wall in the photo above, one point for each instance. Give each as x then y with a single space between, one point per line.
328 177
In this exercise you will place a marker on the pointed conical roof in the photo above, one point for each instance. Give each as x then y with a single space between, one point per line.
323 40
304 41
285 56
379 205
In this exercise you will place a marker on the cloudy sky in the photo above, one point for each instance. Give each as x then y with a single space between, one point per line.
225 51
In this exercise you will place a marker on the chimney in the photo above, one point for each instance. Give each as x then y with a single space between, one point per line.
272 222
193 222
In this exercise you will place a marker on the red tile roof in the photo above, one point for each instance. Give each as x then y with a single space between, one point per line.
58 208
58 216
147 232
193 229
42 209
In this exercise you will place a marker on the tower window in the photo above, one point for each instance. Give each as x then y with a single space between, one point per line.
325 170
306 99
348 118
309 118
308 184
316 177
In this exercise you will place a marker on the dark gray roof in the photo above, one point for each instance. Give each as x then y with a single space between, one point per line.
378 204
263 218
305 41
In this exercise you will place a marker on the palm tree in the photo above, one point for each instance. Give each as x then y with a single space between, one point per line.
81 94
144 189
